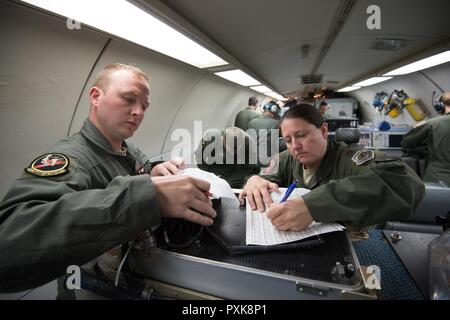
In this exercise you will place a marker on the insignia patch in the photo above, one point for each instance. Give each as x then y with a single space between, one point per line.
363 156
49 165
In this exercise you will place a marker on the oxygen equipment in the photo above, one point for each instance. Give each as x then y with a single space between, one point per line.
379 103
394 104
398 101
415 112
379 100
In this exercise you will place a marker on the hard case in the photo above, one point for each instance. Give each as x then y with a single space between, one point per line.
327 271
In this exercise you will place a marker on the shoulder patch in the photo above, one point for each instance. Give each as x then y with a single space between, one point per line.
363 156
49 165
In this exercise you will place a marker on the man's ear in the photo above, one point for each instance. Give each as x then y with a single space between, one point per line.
94 95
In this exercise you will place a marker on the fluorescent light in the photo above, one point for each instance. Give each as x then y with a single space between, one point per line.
421 64
371 81
239 77
122 19
348 89
275 95
262 89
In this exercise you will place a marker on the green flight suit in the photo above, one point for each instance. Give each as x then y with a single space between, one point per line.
244 117
49 223
378 190
235 173
263 122
435 136
263 127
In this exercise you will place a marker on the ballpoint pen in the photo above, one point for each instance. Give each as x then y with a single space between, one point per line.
209 194
140 170
289 191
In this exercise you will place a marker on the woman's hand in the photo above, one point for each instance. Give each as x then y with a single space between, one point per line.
257 190
292 215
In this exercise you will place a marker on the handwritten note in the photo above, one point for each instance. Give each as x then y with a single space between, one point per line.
260 230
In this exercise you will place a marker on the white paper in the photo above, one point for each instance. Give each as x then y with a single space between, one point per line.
219 187
260 230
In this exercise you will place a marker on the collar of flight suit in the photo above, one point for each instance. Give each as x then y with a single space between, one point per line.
91 133
326 166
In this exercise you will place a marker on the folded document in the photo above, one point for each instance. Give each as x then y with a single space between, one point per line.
219 187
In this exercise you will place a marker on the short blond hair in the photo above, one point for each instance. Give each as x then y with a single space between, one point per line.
102 78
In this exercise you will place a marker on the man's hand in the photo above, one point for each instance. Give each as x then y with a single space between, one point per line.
167 168
292 215
183 197
257 191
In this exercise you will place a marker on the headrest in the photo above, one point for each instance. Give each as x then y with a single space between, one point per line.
347 135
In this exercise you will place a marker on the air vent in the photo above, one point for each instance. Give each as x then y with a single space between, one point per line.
384 44
332 81
312 78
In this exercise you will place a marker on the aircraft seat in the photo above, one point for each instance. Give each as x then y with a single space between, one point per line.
415 159
348 135
434 204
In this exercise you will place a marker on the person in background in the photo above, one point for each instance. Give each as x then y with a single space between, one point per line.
434 135
264 129
229 154
323 108
247 115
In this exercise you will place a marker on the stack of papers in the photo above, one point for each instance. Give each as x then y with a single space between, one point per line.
219 187
260 230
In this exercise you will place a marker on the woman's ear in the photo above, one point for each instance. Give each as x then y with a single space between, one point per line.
324 129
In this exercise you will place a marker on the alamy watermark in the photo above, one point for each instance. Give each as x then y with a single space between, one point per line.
73 24
73 280
374 20
373 280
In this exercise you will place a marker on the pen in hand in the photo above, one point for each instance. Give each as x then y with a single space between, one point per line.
209 194
289 191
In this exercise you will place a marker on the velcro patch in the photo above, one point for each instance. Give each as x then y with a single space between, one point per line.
363 156
49 165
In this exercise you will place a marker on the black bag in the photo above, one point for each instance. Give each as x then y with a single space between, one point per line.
229 231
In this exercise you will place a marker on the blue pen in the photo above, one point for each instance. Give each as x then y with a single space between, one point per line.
289 191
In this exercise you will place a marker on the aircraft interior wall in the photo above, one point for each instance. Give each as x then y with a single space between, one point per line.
416 85
43 71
